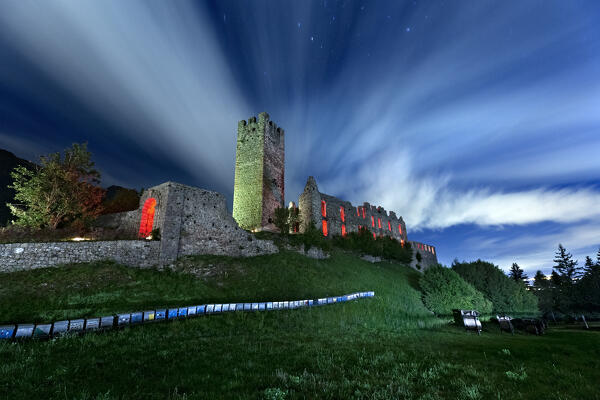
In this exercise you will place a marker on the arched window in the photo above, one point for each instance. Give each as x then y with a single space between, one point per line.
373 221
379 222
342 214
323 209
324 228
147 217
363 210
343 230
389 226
400 228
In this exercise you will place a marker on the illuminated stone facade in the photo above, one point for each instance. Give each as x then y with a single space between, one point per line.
338 217
259 173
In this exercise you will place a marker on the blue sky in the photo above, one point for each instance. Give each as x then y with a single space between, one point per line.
478 122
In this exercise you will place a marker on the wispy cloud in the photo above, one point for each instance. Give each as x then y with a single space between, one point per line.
154 69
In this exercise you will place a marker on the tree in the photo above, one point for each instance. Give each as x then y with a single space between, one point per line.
565 266
286 218
59 191
540 281
506 295
517 274
590 266
444 290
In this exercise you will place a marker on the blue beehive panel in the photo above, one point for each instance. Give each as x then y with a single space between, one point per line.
137 317
76 325
232 307
200 309
42 330
123 319
107 322
275 305
372 294
191 311
262 306
182 313
286 304
239 307
160 314
247 306
149 316
24 331
310 303
60 327
92 324
225 308
172 313
323 301
269 306
7 331
218 308
254 306
210 308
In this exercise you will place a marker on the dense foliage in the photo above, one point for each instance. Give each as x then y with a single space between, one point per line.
285 219
120 199
444 290
506 295
571 290
384 247
63 189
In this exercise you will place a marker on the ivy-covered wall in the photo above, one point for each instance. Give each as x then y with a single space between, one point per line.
247 190
259 172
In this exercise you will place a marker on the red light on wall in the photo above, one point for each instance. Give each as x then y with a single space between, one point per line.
373 221
363 210
147 217
389 226
324 228
323 209
374 236
402 242
433 250
343 230
358 211
400 228
379 222
342 214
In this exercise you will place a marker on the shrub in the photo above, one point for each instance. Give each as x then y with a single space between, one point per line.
444 290
506 295
385 247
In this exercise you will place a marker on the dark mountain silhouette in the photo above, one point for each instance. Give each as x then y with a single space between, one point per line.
8 161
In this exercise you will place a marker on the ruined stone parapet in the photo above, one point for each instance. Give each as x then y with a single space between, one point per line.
259 172
428 255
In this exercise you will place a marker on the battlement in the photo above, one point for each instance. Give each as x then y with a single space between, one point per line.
263 121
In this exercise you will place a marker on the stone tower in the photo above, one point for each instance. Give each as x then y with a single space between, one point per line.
259 172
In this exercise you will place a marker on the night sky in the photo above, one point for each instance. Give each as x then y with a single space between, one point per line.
477 121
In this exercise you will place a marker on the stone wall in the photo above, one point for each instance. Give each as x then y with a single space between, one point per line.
428 256
25 256
340 213
259 172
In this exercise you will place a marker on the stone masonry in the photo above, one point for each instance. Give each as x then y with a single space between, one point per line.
338 217
259 172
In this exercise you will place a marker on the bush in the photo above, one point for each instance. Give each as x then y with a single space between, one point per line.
506 295
385 247
444 290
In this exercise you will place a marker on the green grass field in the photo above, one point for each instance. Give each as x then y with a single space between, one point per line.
386 347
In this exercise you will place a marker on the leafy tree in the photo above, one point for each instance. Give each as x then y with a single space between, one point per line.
286 218
565 266
61 190
590 265
517 274
505 294
444 290
543 291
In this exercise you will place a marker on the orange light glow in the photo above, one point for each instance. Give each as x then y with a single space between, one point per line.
324 228
389 226
147 217
400 228
343 230
379 222
323 209
373 221
342 214
363 210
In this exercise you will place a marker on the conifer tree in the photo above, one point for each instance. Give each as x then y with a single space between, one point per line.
517 274
565 266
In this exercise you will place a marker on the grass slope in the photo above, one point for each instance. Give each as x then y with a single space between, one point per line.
371 348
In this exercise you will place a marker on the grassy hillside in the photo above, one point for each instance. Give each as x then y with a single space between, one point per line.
386 347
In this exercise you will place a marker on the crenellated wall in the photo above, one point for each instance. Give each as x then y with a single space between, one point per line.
336 217
259 172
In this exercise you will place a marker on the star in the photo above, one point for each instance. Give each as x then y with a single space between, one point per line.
408 29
